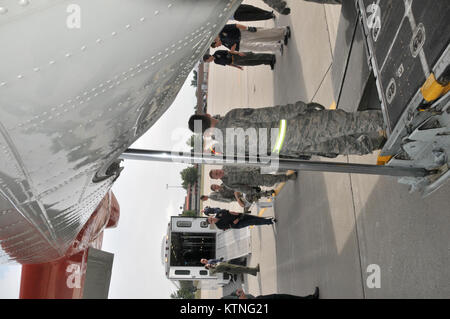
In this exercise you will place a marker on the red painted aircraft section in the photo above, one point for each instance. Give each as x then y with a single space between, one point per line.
64 278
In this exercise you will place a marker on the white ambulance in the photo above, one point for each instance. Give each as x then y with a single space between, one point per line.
190 239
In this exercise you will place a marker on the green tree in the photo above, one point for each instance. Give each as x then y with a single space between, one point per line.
195 138
194 80
183 293
189 175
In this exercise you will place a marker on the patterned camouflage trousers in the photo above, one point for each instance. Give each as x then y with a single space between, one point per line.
309 130
279 5
234 269
254 197
333 132
251 179
252 220
267 179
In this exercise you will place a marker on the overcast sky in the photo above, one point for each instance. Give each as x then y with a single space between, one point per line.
145 208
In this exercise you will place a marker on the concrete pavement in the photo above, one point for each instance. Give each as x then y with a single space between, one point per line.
333 226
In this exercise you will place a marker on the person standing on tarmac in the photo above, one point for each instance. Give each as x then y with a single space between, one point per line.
281 6
225 219
224 194
232 269
246 179
238 37
247 12
240 59
221 194
303 129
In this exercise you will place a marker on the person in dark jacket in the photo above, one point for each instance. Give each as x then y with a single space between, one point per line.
240 59
225 219
232 269
304 129
247 12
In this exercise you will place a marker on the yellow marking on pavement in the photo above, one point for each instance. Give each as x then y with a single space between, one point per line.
333 106
383 160
277 191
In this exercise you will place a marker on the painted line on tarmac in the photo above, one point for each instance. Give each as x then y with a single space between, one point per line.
277 191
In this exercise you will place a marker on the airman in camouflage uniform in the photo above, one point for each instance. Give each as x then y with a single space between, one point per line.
310 129
224 195
281 6
326 1
233 269
247 179
278 5
256 195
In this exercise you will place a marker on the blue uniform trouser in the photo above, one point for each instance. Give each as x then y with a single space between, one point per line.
249 220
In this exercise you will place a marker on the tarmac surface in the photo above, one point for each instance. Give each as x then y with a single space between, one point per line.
335 230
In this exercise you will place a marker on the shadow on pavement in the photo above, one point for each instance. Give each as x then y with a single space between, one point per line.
307 254
405 235
408 237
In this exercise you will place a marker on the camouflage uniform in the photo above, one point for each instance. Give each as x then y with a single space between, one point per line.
247 179
233 269
224 195
280 5
326 1
277 5
255 196
309 131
